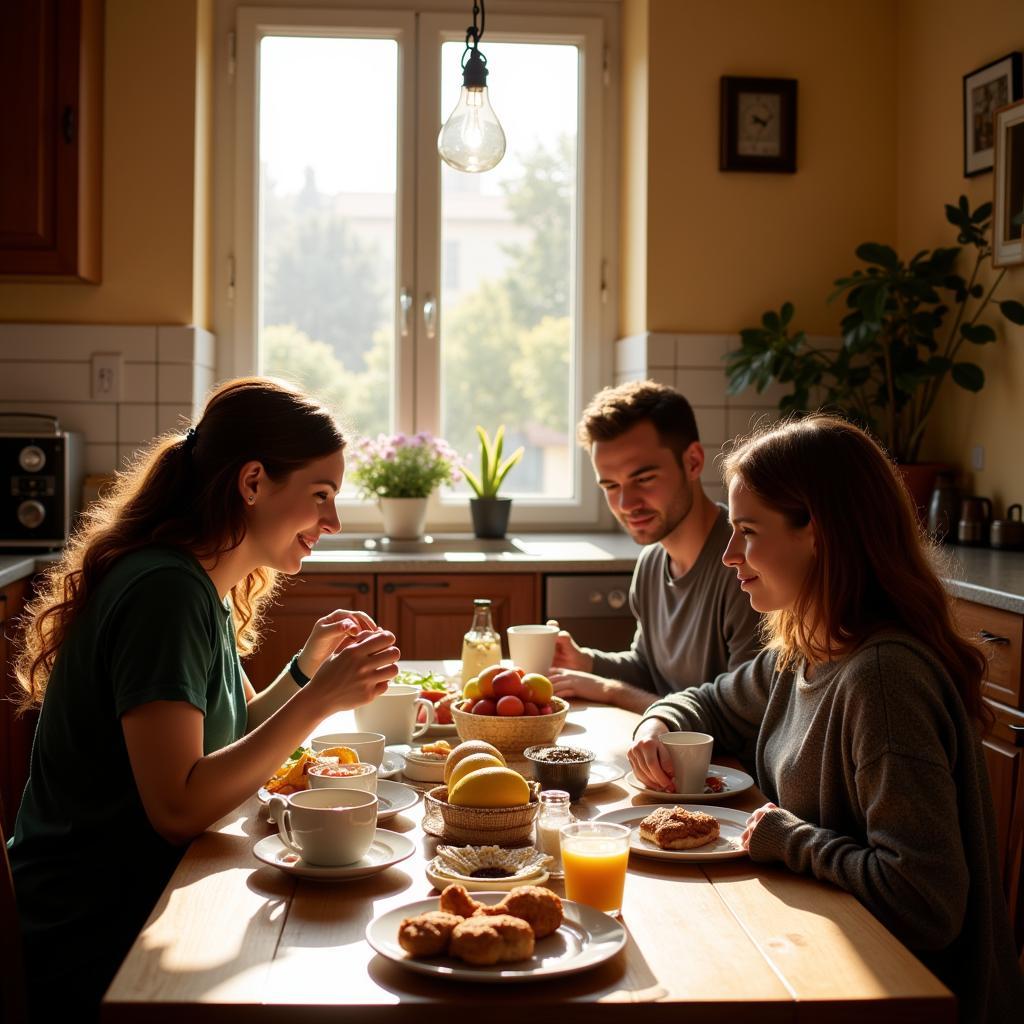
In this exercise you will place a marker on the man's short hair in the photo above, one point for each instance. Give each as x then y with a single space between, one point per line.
614 410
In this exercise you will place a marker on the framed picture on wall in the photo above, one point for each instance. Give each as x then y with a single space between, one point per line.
1008 202
758 124
985 91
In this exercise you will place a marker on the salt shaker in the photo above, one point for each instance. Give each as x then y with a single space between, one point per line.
554 813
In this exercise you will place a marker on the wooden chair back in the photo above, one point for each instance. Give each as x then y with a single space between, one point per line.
12 977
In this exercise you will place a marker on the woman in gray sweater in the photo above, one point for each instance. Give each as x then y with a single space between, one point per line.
863 715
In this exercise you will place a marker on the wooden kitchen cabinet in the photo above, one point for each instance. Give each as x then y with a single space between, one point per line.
431 613
16 732
290 618
51 80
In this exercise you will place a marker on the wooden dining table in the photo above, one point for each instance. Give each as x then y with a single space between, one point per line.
234 939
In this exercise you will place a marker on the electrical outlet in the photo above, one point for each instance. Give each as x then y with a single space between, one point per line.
978 457
106 376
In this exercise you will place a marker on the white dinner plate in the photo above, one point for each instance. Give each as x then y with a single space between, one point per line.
603 773
735 782
387 848
392 799
585 939
727 845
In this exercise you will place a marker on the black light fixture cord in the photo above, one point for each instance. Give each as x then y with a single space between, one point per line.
474 34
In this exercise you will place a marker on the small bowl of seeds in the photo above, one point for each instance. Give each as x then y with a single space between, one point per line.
557 766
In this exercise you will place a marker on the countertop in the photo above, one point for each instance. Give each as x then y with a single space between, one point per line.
993 578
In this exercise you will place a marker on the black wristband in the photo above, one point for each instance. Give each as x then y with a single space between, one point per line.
297 674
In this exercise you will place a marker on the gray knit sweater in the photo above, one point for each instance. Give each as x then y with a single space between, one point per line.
881 783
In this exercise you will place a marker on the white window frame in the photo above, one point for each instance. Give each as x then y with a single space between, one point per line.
592 24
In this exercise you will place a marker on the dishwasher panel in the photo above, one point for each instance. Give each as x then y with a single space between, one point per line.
593 608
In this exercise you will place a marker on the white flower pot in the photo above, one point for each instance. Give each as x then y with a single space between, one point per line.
404 518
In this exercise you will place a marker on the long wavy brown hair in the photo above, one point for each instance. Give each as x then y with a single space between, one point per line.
873 567
181 492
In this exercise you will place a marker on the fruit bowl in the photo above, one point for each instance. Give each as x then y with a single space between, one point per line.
511 735
496 826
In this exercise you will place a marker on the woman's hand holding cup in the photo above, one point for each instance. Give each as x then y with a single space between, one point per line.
648 757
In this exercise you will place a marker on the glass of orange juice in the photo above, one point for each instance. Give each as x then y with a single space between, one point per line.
594 856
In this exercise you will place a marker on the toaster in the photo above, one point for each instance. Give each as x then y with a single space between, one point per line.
41 471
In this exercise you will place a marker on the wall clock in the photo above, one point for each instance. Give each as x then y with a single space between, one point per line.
758 124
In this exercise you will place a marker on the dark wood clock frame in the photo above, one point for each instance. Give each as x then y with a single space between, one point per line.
730 159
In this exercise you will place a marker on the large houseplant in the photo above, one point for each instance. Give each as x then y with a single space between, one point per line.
903 334
401 473
490 513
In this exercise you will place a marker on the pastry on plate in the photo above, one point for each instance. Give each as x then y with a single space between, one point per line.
427 934
540 908
674 828
493 939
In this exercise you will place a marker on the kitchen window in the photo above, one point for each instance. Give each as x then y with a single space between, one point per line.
408 295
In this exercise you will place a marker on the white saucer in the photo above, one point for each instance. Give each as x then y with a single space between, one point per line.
735 782
730 821
603 773
392 765
386 849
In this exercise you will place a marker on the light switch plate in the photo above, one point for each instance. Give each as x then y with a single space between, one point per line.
107 375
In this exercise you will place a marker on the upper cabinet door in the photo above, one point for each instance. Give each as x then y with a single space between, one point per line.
50 133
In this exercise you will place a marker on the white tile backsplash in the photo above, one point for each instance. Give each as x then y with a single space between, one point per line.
47 368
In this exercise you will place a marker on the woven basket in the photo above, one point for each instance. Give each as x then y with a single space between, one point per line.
484 826
511 735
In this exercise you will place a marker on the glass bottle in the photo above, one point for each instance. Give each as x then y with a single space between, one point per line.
554 813
481 646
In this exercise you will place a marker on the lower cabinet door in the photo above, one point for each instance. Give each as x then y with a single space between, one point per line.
430 614
290 618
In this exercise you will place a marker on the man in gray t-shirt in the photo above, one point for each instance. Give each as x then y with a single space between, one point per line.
693 621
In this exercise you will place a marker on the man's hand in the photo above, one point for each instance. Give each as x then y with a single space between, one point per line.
569 655
649 759
581 685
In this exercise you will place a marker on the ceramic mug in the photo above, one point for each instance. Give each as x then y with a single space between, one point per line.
326 827
393 713
691 755
532 647
364 777
369 746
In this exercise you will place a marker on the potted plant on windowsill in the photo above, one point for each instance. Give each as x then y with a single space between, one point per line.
401 473
490 513
898 344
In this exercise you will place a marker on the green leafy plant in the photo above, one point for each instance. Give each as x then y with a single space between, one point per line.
401 466
902 335
492 470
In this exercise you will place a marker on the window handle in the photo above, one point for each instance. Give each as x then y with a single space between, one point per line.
430 316
405 305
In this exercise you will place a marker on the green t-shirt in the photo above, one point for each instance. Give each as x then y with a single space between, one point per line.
87 864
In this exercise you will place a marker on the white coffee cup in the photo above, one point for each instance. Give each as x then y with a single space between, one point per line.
691 754
328 827
369 746
364 779
532 647
393 713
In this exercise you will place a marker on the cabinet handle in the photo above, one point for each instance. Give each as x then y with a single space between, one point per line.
359 588
390 588
992 638
1018 735
67 124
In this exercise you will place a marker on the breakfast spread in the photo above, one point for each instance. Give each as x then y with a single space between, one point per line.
678 829
479 933
508 693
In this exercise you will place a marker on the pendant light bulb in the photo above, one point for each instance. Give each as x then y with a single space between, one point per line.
471 139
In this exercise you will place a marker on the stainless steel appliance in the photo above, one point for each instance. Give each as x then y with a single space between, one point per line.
41 469
595 609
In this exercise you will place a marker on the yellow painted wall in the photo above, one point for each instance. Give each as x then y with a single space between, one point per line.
723 247
939 41
633 167
149 177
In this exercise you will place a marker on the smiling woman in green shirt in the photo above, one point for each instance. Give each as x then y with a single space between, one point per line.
149 730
